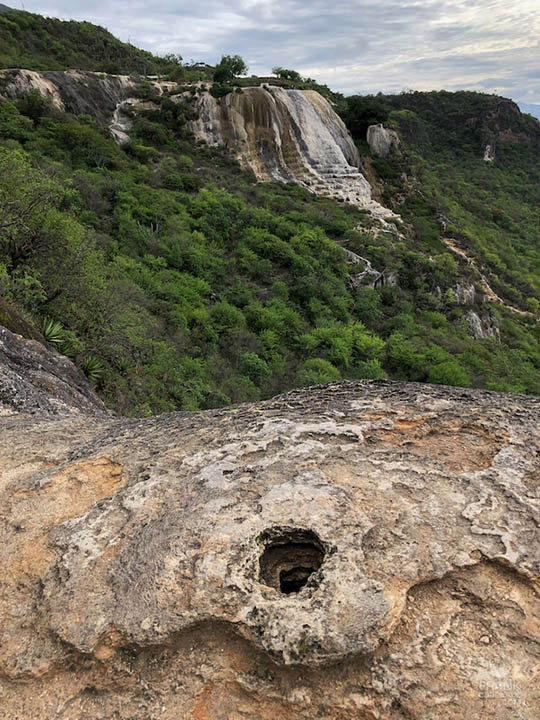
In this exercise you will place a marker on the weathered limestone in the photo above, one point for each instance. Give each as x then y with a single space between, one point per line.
489 153
482 326
287 136
382 141
36 379
465 293
363 550
75 91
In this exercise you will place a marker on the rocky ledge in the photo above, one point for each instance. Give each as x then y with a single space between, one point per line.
36 379
364 550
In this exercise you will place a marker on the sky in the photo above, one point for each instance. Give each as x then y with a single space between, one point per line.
363 46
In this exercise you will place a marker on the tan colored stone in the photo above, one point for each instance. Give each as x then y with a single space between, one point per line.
134 554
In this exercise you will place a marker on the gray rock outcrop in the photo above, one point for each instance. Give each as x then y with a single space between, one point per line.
35 379
482 326
464 293
362 550
74 91
489 153
382 141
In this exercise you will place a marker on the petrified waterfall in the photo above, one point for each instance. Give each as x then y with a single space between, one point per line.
287 136
282 135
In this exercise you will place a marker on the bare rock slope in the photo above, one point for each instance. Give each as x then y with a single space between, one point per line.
364 550
34 379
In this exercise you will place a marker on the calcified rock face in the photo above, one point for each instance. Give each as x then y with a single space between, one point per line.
364 550
382 141
74 91
288 136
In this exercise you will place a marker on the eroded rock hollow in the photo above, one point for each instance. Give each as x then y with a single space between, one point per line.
361 550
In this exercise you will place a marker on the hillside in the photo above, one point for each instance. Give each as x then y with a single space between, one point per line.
176 281
31 41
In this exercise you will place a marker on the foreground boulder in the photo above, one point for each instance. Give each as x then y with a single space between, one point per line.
361 550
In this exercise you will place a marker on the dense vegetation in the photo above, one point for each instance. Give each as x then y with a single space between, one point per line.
491 210
38 43
176 281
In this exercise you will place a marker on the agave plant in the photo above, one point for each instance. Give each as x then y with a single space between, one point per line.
66 348
52 331
93 368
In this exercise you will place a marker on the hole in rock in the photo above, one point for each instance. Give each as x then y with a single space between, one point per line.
289 559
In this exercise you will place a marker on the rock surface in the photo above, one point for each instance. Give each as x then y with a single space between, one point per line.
482 326
382 141
34 379
74 91
287 136
363 550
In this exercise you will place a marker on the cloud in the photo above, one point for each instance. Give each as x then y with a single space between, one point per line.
353 45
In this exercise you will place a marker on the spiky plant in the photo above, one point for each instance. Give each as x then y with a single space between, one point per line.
52 331
93 368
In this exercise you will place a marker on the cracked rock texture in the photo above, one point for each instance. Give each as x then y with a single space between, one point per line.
34 379
363 550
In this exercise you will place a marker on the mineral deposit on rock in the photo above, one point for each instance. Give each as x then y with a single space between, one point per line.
382 141
364 550
287 136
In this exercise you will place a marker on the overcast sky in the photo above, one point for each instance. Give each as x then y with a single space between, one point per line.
352 45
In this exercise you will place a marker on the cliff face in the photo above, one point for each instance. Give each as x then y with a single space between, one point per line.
73 91
287 136
282 135
365 550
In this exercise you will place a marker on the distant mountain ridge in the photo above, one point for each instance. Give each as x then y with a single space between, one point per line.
530 108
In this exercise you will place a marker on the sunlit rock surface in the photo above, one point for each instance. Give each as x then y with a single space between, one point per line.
287 136
363 550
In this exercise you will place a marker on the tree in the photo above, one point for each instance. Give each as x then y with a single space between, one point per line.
26 198
317 371
285 74
229 67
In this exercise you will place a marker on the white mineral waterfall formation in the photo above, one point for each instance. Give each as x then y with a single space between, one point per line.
281 135
288 136
382 141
